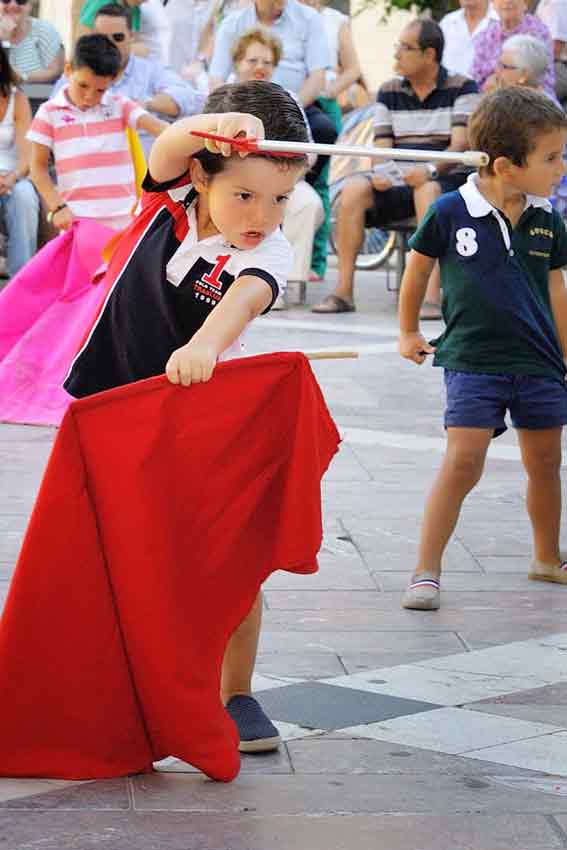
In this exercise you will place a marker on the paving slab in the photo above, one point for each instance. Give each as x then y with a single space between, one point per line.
180 831
338 794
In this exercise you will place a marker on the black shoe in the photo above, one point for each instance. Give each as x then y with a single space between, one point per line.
257 732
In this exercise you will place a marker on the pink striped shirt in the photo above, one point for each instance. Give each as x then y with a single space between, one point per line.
95 174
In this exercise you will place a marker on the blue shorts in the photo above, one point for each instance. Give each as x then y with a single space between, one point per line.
481 401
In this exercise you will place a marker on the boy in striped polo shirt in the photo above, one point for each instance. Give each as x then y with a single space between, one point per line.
84 127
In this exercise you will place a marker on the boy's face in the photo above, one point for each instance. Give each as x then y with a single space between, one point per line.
247 201
544 166
85 88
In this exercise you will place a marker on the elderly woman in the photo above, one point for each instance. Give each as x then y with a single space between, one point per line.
35 47
524 61
255 56
514 20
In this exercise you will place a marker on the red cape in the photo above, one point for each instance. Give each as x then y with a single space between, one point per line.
161 512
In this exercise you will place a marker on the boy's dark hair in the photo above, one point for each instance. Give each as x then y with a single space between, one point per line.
430 34
273 105
115 10
509 122
7 75
98 53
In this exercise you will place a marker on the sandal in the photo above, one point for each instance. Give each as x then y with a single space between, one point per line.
333 304
430 311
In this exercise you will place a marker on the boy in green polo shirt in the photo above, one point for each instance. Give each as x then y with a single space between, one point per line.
501 248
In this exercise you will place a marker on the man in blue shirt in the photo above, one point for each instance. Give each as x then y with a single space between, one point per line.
302 67
155 87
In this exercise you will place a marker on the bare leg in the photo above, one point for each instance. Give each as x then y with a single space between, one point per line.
423 198
461 469
240 655
357 197
541 456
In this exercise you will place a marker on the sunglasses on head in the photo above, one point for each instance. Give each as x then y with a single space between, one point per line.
18 2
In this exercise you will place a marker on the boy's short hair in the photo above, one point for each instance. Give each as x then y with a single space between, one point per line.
278 111
509 122
98 53
115 10
257 35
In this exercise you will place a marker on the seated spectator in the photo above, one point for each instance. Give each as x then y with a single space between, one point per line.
461 30
142 22
18 199
343 72
155 31
192 25
35 47
304 60
256 55
524 61
156 88
514 20
553 13
422 108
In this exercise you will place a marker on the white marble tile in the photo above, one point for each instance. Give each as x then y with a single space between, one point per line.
547 754
444 687
543 658
268 683
455 731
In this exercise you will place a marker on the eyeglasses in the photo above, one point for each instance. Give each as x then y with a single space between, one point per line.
266 63
18 2
117 37
402 47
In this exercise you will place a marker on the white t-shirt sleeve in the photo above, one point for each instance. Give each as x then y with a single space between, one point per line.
272 261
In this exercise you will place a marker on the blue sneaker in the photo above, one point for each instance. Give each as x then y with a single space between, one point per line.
257 732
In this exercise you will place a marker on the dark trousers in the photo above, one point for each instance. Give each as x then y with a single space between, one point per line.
324 133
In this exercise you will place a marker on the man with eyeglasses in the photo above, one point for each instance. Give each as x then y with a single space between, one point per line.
156 88
35 47
426 108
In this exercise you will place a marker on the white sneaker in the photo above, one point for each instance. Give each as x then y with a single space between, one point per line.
279 303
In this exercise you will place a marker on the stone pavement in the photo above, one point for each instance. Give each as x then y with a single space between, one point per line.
403 730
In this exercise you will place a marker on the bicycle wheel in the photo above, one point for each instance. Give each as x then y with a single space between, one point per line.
378 244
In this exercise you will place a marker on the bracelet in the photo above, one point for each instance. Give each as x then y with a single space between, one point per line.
52 213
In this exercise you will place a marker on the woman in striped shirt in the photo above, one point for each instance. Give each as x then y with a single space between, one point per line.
36 50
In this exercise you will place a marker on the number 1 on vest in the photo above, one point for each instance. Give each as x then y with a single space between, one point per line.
213 278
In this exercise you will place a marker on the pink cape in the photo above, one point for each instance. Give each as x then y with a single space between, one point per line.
45 313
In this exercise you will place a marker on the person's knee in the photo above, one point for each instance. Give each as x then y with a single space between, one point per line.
466 465
356 194
543 463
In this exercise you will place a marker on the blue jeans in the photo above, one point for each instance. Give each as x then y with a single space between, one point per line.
21 214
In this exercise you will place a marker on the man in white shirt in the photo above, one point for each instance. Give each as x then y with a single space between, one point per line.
460 29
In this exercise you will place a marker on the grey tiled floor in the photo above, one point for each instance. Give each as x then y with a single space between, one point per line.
403 730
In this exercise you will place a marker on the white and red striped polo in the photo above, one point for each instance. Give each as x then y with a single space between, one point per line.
95 174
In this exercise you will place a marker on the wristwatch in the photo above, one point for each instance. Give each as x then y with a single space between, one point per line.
54 212
433 173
